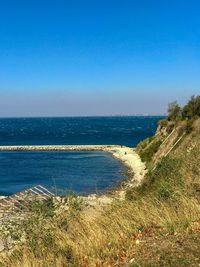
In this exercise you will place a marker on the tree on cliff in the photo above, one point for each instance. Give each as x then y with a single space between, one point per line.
192 108
174 111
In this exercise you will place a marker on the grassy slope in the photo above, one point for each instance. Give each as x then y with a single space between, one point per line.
157 225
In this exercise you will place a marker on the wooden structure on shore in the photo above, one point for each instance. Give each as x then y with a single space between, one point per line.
19 202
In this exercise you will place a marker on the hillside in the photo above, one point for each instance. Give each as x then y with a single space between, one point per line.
157 224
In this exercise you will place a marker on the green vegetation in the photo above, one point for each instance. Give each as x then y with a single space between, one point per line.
190 111
161 183
147 154
192 108
174 111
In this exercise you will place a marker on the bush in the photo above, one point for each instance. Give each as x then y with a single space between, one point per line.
167 178
164 182
174 111
42 208
189 111
163 123
143 144
192 108
189 126
149 152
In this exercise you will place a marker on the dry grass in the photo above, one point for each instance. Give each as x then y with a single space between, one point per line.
111 238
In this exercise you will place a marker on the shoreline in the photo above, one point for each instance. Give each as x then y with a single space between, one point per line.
126 155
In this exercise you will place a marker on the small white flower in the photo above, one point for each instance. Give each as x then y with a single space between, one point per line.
137 242
132 260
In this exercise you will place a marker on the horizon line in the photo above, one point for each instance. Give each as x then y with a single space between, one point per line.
83 116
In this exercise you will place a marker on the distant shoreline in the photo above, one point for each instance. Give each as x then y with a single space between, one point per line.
86 116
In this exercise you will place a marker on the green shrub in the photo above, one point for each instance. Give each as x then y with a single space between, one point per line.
143 144
163 123
42 208
174 111
147 154
164 182
189 126
192 108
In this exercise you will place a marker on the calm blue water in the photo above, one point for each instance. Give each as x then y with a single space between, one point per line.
82 172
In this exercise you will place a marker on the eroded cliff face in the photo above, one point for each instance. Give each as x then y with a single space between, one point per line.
169 138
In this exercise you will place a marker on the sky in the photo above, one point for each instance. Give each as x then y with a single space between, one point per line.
97 57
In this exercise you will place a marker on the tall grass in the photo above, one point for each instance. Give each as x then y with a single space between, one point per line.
112 236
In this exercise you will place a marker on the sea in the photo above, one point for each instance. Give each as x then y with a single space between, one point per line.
68 172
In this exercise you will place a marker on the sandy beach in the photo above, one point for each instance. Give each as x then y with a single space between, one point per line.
132 160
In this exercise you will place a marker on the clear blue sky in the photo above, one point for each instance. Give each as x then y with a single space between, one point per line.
97 57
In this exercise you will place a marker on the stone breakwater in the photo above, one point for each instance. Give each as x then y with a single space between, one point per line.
59 148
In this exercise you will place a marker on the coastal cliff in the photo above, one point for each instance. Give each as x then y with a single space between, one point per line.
157 223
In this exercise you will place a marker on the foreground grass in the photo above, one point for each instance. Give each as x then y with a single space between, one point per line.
125 232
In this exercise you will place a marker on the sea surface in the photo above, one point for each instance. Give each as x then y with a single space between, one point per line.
80 172
61 172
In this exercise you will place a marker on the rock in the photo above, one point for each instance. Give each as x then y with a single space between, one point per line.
92 197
